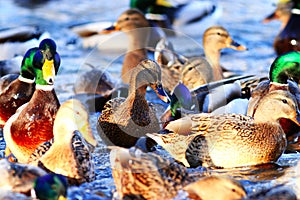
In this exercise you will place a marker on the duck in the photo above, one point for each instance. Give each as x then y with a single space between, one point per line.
180 17
123 121
215 38
194 136
145 175
17 90
136 26
22 132
289 36
16 40
68 152
150 176
28 182
215 187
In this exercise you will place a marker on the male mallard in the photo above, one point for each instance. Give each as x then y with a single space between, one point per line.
215 38
68 153
32 181
33 123
289 37
231 140
146 175
19 91
123 121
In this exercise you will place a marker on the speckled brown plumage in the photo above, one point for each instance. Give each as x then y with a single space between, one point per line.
146 175
123 121
232 140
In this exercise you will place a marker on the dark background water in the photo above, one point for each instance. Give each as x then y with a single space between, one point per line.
241 18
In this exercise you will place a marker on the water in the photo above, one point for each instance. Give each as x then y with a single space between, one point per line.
241 18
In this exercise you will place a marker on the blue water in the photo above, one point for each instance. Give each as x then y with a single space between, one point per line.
241 18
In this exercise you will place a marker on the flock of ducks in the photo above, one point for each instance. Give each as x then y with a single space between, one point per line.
50 145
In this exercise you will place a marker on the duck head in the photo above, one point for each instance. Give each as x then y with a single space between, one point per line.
284 67
181 97
147 73
129 20
46 62
219 36
277 106
51 187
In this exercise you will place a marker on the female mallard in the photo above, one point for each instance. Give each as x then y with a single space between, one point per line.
289 37
19 91
149 176
33 124
232 140
207 70
136 26
30 180
146 175
68 153
123 121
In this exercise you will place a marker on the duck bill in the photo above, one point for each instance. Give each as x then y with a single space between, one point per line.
236 46
160 92
48 71
112 28
270 17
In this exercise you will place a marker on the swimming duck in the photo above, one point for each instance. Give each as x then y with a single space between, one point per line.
146 175
30 180
188 17
136 26
289 37
15 41
203 139
17 91
22 131
215 187
68 152
123 121
215 38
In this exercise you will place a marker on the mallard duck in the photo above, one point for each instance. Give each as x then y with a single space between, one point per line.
16 41
123 121
17 91
215 38
289 37
30 180
146 175
205 139
188 17
23 132
68 153
215 187
136 26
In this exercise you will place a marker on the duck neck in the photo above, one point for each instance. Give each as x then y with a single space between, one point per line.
213 57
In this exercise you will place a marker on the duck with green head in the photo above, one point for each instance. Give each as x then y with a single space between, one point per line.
32 124
17 90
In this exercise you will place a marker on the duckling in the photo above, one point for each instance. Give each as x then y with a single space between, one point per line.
123 121
68 152
22 131
202 139
136 26
289 37
215 39
215 187
146 175
31 181
17 91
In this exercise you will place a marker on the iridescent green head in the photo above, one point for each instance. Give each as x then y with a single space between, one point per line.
181 98
284 67
41 63
51 187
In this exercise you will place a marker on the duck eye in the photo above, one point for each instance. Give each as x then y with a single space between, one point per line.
126 19
284 101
